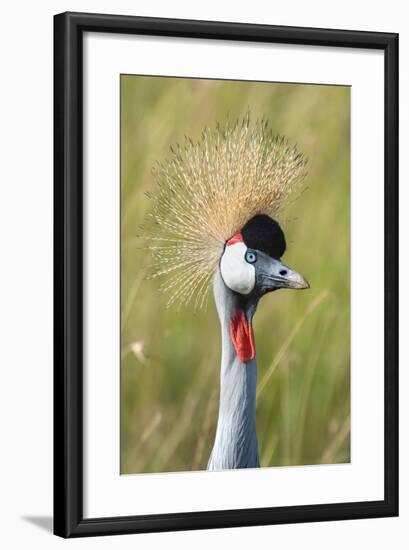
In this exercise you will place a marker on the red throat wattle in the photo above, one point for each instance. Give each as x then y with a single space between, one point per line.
241 333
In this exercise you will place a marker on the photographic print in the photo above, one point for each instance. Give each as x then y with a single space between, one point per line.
220 190
233 195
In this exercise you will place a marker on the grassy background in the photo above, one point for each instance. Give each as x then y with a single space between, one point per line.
170 359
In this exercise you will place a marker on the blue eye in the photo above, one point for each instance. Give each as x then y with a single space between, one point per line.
250 257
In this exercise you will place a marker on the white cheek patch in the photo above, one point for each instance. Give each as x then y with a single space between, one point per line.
237 274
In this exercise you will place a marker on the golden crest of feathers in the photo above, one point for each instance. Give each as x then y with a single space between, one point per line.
206 192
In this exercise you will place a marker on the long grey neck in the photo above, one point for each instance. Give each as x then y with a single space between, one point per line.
235 444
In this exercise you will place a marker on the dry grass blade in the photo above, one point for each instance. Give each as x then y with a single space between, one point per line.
337 442
284 348
151 428
269 451
170 444
206 426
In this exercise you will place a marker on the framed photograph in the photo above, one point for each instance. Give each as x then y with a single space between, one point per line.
226 274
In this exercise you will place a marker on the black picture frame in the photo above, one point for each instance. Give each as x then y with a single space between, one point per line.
68 273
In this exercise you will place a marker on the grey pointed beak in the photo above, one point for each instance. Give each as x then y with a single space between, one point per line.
276 275
294 280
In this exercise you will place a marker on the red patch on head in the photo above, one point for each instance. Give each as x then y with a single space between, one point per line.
237 238
241 333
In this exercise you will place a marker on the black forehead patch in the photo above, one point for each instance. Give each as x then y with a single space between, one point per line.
264 234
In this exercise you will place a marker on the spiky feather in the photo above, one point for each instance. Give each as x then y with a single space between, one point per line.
207 191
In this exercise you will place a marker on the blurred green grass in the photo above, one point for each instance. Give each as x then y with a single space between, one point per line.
170 359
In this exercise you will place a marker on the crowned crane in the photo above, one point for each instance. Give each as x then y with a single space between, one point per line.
213 221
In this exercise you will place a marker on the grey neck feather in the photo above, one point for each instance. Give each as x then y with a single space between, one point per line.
235 444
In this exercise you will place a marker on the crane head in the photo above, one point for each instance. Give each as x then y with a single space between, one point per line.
251 261
232 182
